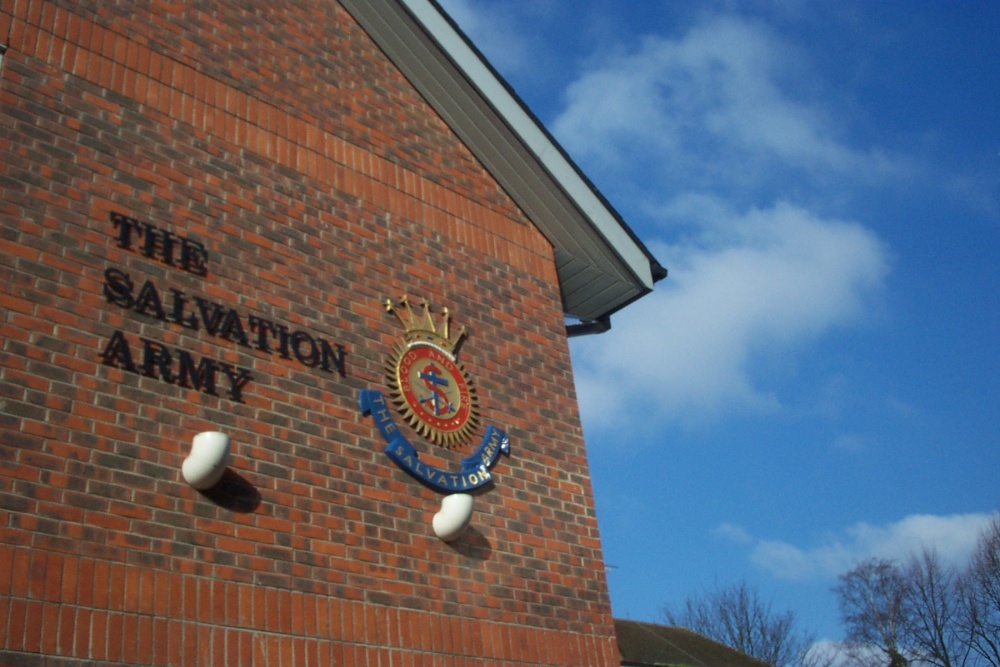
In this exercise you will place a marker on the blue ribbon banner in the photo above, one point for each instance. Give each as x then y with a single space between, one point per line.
475 470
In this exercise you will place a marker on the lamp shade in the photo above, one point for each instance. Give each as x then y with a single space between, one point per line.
204 467
451 521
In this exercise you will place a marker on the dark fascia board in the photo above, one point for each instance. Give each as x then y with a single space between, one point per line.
602 265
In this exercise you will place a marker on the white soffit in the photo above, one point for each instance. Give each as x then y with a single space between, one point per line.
601 265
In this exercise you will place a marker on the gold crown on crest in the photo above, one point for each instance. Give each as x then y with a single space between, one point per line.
421 327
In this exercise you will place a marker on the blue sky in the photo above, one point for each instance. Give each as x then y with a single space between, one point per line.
818 379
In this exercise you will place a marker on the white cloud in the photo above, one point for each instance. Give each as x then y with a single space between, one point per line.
754 284
731 531
712 107
953 536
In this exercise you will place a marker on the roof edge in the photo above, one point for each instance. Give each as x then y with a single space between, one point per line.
457 80
558 162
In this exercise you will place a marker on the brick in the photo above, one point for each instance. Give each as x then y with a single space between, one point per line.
50 628
16 623
157 647
6 21
6 569
33 619
174 642
53 577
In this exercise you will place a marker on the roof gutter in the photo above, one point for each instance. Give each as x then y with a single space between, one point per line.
597 326
602 324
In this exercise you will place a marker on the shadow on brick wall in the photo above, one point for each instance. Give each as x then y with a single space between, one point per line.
234 493
472 544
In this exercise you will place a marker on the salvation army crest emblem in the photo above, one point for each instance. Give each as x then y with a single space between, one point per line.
432 391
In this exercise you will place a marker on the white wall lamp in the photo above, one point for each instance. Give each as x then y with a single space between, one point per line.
205 465
454 517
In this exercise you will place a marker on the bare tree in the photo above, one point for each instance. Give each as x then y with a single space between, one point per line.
871 598
981 596
737 617
932 607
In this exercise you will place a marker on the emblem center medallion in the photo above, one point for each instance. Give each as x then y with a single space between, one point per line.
434 388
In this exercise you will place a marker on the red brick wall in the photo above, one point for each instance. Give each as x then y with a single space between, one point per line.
320 185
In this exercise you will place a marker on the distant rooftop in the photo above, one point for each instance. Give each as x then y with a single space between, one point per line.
649 645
